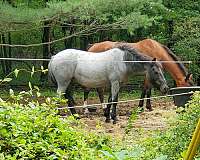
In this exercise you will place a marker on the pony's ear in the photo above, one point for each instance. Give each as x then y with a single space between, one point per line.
153 62
188 77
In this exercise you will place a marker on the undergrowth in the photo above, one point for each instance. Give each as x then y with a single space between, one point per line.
172 144
30 130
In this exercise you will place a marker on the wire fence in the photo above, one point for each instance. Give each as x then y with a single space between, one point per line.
41 59
126 101
100 104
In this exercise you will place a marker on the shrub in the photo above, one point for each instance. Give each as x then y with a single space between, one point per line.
173 143
35 131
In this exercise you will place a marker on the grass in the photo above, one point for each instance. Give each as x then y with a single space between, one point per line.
78 93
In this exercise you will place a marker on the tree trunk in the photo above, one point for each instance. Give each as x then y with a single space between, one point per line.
3 66
84 40
68 42
46 49
9 54
83 43
198 81
6 71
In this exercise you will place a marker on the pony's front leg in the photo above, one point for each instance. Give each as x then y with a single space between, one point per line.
114 110
148 103
107 109
114 90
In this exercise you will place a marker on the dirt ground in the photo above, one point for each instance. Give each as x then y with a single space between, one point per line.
163 110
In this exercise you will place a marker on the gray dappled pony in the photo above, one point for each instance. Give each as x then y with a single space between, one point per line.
106 69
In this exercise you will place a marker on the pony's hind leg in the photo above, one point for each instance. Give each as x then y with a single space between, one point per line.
69 96
86 93
65 88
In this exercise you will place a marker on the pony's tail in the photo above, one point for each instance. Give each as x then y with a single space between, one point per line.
50 73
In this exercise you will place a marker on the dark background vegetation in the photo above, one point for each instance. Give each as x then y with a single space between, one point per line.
77 23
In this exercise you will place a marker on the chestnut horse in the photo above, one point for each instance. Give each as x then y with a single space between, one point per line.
153 49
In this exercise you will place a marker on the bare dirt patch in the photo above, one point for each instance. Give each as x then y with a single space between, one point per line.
163 110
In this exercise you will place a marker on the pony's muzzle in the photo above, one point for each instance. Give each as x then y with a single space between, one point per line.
164 89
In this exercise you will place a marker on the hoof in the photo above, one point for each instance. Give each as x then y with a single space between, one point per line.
141 109
114 121
94 109
150 109
76 116
86 111
107 120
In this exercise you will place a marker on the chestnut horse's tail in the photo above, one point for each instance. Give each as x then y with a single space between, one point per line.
50 73
175 58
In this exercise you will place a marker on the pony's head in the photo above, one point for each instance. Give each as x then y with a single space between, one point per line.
156 78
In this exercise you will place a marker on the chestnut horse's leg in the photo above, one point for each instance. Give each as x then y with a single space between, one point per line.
148 103
141 103
100 92
86 93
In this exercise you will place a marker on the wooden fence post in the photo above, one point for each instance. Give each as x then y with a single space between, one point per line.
194 144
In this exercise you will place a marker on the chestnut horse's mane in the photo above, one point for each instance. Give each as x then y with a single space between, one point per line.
175 58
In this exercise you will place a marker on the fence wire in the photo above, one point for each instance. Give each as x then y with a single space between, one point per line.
41 59
126 101
100 104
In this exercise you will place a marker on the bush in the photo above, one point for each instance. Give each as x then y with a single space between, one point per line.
173 143
35 131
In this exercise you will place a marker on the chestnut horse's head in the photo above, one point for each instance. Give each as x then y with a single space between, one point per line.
186 82
178 71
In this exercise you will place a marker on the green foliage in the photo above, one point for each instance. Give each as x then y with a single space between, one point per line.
187 36
173 143
30 130
97 20
132 118
121 155
126 14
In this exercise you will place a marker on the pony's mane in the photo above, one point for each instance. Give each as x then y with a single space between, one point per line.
127 48
89 46
175 58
